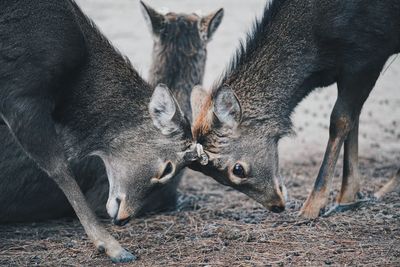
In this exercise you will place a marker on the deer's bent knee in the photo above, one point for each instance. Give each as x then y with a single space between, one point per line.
340 125
58 170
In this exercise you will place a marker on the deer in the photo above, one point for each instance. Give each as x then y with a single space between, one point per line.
184 40
67 94
180 50
178 59
296 46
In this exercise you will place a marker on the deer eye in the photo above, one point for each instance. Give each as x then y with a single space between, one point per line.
167 170
238 170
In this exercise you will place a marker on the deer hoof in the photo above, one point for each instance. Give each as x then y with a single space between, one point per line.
124 256
311 209
338 208
309 213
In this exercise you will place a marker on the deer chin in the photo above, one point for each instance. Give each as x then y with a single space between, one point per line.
154 207
274 201
276 204
163 198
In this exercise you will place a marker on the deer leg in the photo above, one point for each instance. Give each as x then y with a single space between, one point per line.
341 123
392 185
351 177
353 90
350 197
32 126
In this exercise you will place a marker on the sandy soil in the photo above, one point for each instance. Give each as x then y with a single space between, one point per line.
217 226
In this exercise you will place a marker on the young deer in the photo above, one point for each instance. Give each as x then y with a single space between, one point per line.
67 94
180 50
179 57
297 46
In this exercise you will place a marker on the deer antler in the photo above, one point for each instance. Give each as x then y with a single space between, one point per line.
196 153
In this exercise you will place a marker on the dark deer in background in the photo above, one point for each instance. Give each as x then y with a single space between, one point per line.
180 50
28 194
297 46
67 94
179 57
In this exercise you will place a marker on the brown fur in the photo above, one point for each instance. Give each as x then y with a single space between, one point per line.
203 122
124 211
297 46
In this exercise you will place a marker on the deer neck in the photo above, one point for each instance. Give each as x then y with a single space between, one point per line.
274 74
104 98
180 68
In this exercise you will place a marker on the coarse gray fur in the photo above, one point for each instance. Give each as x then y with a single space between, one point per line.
36 197
297 46
66 94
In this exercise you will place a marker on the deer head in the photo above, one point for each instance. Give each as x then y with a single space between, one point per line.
143 161
239 155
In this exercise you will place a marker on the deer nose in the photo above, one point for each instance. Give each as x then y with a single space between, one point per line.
277 209
121 217
277 203
121 222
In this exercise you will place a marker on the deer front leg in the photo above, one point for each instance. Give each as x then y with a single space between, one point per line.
353 90
103 241
350 197
340 125
351 177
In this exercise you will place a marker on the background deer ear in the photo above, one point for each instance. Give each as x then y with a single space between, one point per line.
210 23
197 99
154 19
227 107
165 112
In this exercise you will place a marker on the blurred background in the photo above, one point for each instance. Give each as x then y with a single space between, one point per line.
123 23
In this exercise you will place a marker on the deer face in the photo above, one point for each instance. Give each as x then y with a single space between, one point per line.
189 32
143 161
239 156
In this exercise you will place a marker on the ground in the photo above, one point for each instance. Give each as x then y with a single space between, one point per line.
217 226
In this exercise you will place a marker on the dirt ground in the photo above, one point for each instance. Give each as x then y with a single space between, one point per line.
216 226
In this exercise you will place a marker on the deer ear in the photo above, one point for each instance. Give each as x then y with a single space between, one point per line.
197 99
154 19
227 107
165 111
210 23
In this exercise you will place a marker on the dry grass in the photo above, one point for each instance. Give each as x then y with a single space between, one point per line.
219 227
